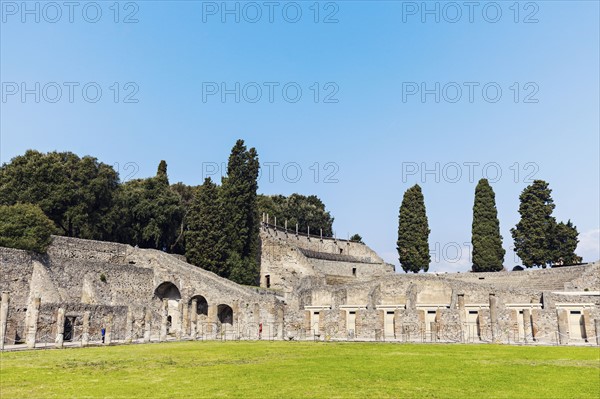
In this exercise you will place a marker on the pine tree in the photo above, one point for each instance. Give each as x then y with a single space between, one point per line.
488 254
204 237
413 232
241 214
533 233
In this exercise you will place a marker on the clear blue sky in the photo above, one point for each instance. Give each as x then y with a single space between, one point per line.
376 138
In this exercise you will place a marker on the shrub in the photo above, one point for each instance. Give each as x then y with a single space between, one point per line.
25 226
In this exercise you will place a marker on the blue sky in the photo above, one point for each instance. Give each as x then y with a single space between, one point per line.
387 92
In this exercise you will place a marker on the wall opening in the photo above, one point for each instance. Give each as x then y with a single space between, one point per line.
268 281
354 271
169 291
225 314
201 305
68 328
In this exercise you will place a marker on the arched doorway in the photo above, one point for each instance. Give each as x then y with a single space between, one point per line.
225 316
170 292
201 305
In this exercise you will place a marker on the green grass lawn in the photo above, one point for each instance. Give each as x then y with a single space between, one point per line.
302 369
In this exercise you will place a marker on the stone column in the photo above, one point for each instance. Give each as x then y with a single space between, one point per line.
342 323
535 320
422 327
587 324
213 317
163 322
494 316
358 325
129 327
321 321
85 335
109 328
185 328
526 322
3 318
380 325
462 316
147 325
280 322
33 311
179 332
194 316
563 326
60 327
307 323
597 325
398 323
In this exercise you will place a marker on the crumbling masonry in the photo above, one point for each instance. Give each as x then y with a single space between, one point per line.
88 292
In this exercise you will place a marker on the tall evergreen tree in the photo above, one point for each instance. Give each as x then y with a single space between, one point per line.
533 234
413 232
204 237
241 214
488 254
564 243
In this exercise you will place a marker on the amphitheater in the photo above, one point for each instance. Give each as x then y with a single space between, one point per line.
86 292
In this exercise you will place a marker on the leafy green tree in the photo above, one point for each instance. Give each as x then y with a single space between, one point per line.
25 226
297 209
357 238
239 198
533 233
150 212
488 254
77 194
205 237
413 232
564 243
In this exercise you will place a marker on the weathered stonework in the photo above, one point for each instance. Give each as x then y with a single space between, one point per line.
314 288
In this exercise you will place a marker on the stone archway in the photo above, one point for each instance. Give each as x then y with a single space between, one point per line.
225 315
169 292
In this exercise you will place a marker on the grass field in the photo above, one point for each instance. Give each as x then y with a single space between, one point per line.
296 369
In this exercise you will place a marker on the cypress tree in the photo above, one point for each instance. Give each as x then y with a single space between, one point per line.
241 214
204 237
533 234
488 254
413 232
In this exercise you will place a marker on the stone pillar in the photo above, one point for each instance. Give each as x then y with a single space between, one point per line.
535 321
398 323
164 321
85 335
213 318
109 328
33 311
597 325
563 326
179 332
3 318
321 321
185 328
194 319
494 316
147 325
526 322
462 316
280 322
587 324
380 325
60 327
342 323
358 326
422 327
307 323
129 327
